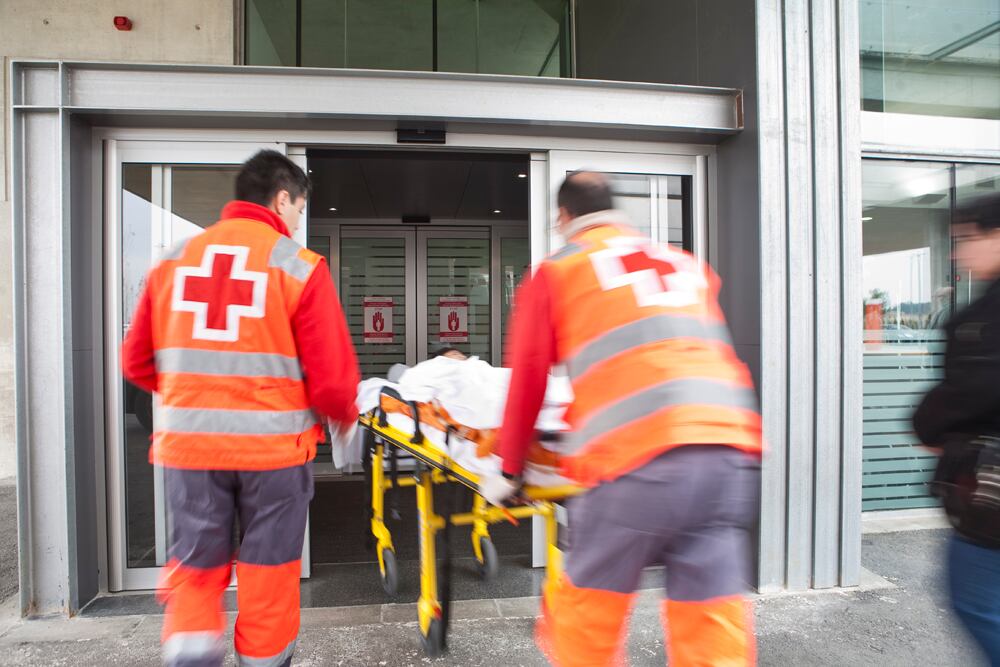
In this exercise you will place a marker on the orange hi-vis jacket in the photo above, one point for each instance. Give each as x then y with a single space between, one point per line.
231 389
639 330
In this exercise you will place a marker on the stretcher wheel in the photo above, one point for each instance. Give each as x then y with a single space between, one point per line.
390 573
490 566
433 641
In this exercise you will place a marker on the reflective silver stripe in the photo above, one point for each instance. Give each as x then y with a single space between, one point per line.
273 661
565 251
214 362
234 422
189 646
641 332
676 392
285 256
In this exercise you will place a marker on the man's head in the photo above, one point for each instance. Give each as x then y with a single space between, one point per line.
450 352
275 182
581 193
977 237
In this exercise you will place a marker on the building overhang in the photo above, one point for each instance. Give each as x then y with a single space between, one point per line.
185 95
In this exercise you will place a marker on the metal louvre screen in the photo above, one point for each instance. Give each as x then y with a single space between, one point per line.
899 368
375 268
458 270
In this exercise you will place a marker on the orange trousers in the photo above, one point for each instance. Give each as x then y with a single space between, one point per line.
689 510
203 504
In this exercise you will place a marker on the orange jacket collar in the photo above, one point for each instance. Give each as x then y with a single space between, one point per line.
250 211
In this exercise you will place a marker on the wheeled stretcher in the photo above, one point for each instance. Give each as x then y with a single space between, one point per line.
385 444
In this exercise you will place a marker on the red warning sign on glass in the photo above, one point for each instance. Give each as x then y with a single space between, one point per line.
454 314
378 319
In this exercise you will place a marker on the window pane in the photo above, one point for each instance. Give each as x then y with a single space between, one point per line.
521 36
930 57
197 197
525 37
458 35
270 32
671 200
631 193
390 34
324 33
909 294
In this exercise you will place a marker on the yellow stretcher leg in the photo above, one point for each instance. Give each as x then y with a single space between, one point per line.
383 538
428 606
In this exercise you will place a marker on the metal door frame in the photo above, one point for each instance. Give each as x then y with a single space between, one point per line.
162 155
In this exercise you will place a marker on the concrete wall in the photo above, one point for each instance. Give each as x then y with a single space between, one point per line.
178 31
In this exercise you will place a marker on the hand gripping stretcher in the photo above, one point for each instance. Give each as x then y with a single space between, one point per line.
384 445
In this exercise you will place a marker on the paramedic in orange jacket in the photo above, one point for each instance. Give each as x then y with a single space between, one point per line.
240 333
665 433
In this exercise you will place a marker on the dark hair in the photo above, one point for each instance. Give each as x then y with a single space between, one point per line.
584 192
445 350
266 174
982 211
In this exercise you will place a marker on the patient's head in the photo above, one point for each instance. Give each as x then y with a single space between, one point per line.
450 352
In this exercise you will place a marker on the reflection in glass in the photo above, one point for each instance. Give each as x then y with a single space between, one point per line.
935 58
908 295
270 32
971 182
390 34
657 205
526 37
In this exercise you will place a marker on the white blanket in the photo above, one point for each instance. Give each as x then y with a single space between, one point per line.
474 394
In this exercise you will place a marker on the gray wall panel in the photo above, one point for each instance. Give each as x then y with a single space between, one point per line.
801 303
810 217
86 287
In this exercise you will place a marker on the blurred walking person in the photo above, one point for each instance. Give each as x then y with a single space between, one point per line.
961 417
665 433
240 333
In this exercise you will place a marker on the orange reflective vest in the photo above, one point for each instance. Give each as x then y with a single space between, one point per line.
648 352
231 390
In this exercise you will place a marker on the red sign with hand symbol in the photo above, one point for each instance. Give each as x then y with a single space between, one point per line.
454 319
378 320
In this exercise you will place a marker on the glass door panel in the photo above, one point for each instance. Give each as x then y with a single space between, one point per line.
663 195
455 288
161 206
376 292
159 193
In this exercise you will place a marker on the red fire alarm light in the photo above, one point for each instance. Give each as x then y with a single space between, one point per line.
123 23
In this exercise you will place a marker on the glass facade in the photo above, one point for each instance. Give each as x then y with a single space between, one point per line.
527 37
911 289
931 57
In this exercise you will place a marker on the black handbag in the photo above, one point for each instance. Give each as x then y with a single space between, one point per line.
967 480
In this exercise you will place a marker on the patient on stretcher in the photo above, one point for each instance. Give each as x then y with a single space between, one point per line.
466 396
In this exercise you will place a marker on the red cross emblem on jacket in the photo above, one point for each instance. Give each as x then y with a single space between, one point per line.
658 275
220 293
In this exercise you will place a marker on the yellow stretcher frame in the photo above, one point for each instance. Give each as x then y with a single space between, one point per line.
436 467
